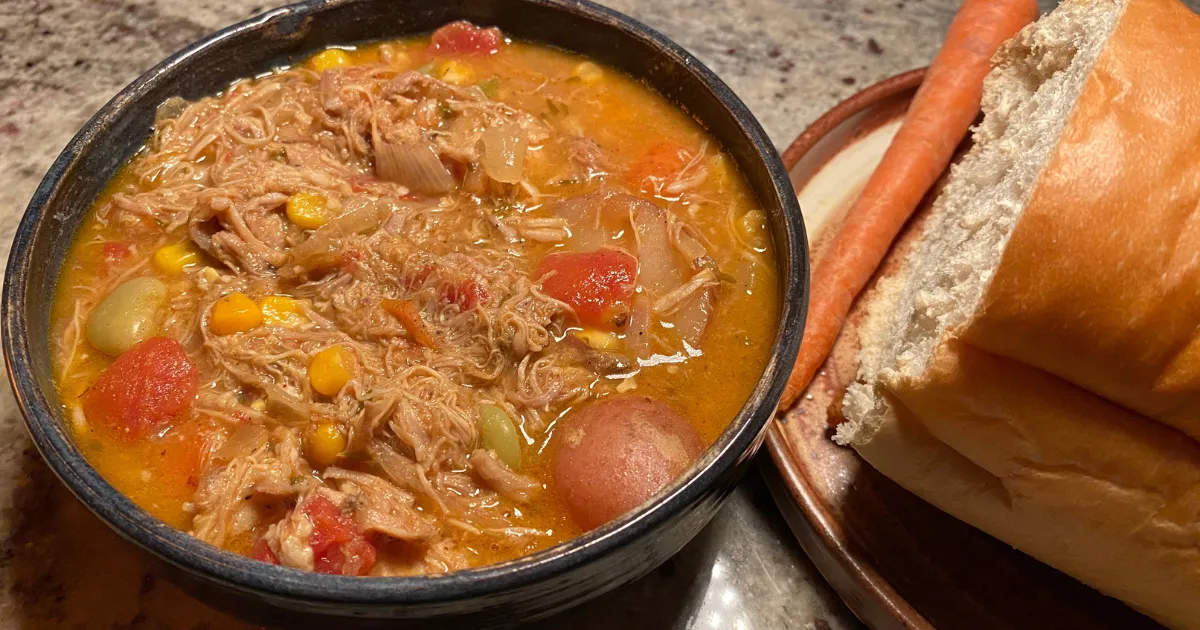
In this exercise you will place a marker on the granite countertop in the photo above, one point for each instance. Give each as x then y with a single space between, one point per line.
60 60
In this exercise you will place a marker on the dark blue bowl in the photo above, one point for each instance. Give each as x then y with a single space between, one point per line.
497 595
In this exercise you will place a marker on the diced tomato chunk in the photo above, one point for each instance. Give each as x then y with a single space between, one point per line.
465 293
111 254
330 525
353 557
413 280
656 165
262 552
452 287
598 285
338 547
365 183
351 260
465 38
149 385
115 252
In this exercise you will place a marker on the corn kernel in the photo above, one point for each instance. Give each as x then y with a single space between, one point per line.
597 339
307 210
210 274
329 59
234 313
326 442
330 370
588 72
173 259
454 72
281 310
259 404
394 57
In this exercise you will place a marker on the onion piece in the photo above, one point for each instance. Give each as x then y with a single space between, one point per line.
689 308
169 109
363 214
403 471
413 164
583 218
691 319
244 441
674 301
503 152
689 244
691 248
322 248
637 333
659 270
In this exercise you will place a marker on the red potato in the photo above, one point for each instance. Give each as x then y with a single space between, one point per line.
613 455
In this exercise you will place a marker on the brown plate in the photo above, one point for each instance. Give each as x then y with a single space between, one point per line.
897 561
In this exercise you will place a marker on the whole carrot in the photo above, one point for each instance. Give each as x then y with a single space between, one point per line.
940 115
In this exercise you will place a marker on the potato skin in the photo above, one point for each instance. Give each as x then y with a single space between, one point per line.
612 455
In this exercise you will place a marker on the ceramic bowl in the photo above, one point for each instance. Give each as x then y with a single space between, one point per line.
533 586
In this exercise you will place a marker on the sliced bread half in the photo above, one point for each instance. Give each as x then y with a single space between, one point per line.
1034 367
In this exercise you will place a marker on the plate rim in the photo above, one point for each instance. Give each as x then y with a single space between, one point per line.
852 574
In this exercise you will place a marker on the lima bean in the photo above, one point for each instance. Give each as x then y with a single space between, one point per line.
498 433
132 313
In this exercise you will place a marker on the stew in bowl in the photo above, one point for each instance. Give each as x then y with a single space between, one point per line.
413 307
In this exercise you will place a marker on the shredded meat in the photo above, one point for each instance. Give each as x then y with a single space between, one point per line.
382 507
290 540
588 161
230 499
502 479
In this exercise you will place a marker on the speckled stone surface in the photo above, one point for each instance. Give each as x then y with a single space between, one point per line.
60 60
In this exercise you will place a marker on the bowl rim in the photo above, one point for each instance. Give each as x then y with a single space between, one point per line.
736 444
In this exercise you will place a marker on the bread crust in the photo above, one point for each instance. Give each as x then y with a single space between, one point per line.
1071 479
1100 280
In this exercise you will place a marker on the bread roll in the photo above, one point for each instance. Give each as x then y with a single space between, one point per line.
1099 280
1034 368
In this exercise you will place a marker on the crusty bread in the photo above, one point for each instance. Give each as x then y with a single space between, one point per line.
1034 368
1026 100
1099 281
